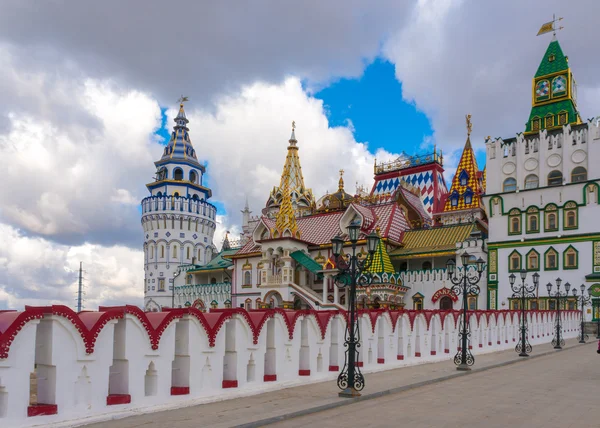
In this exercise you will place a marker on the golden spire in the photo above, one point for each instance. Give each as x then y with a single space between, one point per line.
341 182
285 221
469 124
302 199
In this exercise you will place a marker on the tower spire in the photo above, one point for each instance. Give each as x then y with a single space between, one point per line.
285 221
180 144
341 182
301 198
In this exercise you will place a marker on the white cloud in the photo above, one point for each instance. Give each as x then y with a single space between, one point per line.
245 140
459 57
36 271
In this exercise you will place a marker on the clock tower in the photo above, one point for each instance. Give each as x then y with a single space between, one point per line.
554 93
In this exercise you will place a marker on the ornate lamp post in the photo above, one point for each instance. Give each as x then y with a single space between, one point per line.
465 284
583 301
352 271
523 292
558 340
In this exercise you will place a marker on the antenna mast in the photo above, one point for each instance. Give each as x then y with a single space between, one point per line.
80 288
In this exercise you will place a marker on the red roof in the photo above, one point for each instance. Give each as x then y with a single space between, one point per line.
318 229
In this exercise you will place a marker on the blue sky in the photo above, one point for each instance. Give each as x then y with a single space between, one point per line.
373 106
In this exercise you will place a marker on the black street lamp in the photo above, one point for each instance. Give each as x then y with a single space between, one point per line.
558 342
583 301
352 271
466 283
523 292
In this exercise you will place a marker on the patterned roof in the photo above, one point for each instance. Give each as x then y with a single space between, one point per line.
285 223
435 240
381 260
180 145
559 62
218 262
468 165
318 229
545 101
301 197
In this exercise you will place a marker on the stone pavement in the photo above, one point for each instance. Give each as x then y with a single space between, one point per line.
488 391
559 390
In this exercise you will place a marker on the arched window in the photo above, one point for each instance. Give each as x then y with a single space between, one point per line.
570 215
213 280
174 251
445 303
188 253
555 178
178 174
195 197
176 194
533 220
193 176
247 278
510 185
551 221
514 222
578 174
162 251
159 194
532 181
472 301
248 304
426 265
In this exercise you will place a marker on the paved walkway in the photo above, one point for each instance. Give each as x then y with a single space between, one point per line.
553 379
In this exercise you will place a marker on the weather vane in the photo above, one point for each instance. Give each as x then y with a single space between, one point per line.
293 124
469 124
341 172
182 99
549 26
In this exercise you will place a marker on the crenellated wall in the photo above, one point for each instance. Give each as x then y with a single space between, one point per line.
92 364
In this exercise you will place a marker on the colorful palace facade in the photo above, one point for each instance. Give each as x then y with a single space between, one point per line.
530 208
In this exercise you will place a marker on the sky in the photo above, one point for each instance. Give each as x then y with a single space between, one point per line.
88 95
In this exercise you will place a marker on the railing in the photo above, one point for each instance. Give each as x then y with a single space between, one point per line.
408 161
179 204
313 296
273 280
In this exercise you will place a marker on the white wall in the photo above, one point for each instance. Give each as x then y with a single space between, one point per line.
168 359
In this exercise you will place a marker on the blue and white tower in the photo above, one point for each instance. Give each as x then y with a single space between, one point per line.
178 221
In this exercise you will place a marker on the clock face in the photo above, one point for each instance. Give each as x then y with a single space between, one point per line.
542 88
559 85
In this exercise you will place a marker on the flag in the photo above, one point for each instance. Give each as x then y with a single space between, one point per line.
546 28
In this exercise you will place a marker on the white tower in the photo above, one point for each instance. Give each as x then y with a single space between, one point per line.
178 222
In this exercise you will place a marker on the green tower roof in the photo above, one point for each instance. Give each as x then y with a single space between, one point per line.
554 60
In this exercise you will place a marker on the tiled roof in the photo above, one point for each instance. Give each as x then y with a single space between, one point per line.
435 240
416 203
468 164
318 229
249 248
218 262
558 63
381 260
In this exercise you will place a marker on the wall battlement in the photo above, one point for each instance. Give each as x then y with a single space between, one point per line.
93 364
